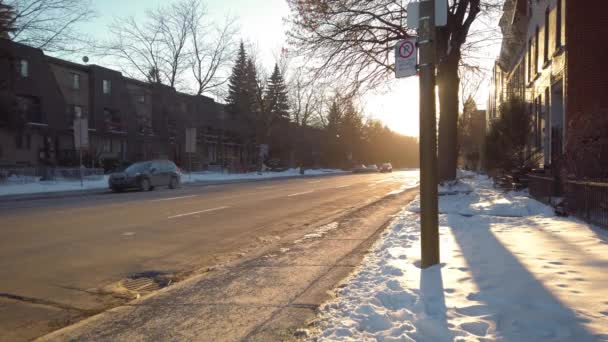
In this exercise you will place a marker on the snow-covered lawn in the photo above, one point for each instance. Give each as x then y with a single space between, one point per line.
19 187
217 176
511 271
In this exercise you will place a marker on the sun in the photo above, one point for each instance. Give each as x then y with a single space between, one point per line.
396 108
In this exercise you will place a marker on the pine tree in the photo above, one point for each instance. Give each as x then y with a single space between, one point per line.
240 92
253 88
276 96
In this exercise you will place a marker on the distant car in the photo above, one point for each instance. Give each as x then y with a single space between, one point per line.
360 169
372 168
386 167
146 176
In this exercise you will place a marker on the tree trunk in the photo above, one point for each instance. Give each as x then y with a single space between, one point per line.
448 82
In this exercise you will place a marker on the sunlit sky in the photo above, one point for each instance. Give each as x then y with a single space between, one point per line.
261 23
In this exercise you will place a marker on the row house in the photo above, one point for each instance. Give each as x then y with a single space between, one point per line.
554 60
129 120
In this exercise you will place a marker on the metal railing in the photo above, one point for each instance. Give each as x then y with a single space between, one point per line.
542 188
588 201
73 173
17 175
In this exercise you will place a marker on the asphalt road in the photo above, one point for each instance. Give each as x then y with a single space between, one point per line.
61 258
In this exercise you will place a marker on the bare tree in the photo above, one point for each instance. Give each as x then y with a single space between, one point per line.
210 56
138 47
306 97
171 40
50 24
174 28
353 42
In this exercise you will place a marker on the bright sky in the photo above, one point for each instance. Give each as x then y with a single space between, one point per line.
261 23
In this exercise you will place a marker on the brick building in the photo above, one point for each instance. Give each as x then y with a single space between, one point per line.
129 120
554 60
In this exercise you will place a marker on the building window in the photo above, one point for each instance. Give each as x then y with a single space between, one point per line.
107 145
19 141
77 112
141 98
529 66
107 87
546 35
558 25
75 81
536 57
28 108
24 68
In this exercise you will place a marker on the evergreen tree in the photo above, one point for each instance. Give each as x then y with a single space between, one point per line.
254 89
241 93
277 103
334 116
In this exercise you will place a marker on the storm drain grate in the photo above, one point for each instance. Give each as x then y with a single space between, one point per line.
141 284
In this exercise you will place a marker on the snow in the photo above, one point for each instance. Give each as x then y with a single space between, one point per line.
319 232
37 186
19 186
511 271
207 176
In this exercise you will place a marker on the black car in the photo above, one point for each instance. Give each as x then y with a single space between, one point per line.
145 176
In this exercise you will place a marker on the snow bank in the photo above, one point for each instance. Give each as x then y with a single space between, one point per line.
217 176
37 186
511 271
17 186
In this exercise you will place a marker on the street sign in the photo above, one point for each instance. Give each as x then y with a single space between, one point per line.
441 13
263 151
81 133
406 58
190 140
413 14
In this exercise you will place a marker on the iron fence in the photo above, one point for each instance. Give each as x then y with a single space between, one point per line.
588 201
73 173
17 175
542 188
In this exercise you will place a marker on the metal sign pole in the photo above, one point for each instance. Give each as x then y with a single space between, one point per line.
190 165
80 167
429 230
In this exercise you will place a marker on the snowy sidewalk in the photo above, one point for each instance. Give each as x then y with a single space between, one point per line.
64 186
511 271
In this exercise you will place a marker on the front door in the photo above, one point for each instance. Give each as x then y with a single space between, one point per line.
557 122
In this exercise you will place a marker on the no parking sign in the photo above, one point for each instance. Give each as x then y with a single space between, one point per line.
406 58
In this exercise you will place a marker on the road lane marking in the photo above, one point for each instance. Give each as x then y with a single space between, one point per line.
198 212
171 198
300 193
314 182
343 186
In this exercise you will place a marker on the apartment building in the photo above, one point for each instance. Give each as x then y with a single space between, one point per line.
129 120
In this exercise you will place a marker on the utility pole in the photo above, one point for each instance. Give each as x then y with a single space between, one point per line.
429 222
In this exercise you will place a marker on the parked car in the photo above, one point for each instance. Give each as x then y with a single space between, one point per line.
386 167
146 176
371 168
